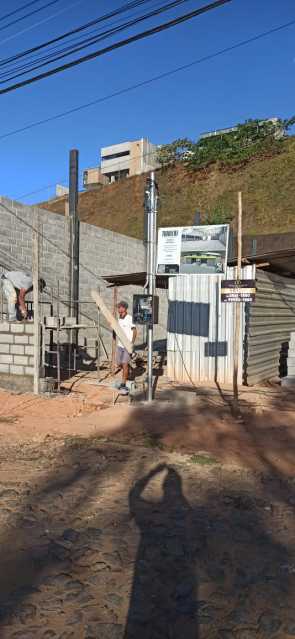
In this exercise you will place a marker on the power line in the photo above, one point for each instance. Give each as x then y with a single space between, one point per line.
83 27
74 39
69 50
43 188
38 24
28 15
117 45
22 8
148 81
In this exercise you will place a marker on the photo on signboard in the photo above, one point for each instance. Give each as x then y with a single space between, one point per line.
193 250
204 249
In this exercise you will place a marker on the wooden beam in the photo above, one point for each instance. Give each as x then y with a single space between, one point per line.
115 326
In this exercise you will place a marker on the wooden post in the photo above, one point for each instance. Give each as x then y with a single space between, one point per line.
238 310
114 339
35 272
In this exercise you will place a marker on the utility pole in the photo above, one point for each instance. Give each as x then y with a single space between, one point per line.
74 233
35 269
151 211
74 225
238 309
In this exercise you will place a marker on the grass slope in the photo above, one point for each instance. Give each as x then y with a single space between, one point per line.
268 188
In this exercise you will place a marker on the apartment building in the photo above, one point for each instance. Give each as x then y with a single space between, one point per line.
123 160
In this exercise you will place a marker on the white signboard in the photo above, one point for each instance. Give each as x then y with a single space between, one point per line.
192 249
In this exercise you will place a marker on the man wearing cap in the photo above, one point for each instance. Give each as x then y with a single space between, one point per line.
123 358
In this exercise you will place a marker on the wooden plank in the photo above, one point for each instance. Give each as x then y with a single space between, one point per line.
115 326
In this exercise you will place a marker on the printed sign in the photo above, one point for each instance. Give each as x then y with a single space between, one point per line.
193 249
238 290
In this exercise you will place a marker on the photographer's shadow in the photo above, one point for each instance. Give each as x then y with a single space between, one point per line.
163 601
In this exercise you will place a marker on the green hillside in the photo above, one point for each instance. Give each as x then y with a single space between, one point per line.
267 184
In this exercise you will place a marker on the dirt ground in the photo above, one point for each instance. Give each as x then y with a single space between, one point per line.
135 521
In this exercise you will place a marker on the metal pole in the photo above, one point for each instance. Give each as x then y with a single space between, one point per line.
74 245
35 269
151 245
238 309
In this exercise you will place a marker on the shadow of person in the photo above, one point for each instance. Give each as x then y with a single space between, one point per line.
163 601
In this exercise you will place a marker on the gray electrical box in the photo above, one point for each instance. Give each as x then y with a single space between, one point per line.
145 309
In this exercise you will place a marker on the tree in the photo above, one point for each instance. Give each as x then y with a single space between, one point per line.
252 139
174 152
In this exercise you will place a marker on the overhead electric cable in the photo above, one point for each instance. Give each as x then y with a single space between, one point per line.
117 45
77 39
146 82
40 22
126 7
28 15
90 41
22 8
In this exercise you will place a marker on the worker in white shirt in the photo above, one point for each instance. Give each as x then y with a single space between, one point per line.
16 285
123 357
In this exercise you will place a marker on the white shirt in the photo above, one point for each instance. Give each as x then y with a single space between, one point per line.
127 325
19 279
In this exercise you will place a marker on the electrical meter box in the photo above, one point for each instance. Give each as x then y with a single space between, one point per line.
145 309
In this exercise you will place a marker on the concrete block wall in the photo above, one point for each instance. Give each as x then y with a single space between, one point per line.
16 348
102 252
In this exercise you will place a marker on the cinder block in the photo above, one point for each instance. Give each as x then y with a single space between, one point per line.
4 368
17 349
5 348
21 339
29 370
6 338
29 327
16 370
6 359
4 327
29 350
17 328
31 361
20 360
31 340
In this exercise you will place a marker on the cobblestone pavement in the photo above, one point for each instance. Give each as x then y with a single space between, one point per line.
104 540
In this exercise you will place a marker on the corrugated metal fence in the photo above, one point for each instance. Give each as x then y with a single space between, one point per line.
269 322
201 329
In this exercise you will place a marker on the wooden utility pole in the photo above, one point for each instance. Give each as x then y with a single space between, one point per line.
238 310
35 270
74 252
74 232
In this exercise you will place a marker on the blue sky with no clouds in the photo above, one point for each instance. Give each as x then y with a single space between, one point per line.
256 80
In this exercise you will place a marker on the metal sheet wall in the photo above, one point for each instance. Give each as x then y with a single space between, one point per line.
200 329
269 322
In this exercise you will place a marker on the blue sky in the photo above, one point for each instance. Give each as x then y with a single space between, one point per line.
254 81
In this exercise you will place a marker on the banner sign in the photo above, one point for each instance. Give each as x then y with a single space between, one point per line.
193 249
238 290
